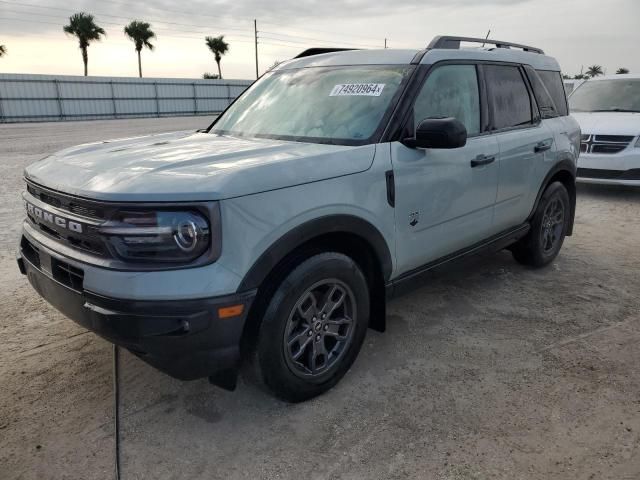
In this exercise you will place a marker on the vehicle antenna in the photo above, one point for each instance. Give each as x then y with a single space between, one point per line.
487 36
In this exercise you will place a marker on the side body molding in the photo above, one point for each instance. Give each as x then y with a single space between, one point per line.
315 228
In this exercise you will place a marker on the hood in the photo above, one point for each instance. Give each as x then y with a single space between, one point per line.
608 123
188 166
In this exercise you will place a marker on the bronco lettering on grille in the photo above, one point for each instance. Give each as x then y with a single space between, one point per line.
49 217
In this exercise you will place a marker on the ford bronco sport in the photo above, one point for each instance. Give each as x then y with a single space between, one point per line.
277 234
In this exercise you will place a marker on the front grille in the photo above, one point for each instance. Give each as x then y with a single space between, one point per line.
604 144
86 212
84 208
614 138
87 242
610 149
50 200
598 173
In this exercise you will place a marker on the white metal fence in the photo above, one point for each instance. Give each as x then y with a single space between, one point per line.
39 98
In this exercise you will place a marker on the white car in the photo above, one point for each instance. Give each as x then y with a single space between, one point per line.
608 111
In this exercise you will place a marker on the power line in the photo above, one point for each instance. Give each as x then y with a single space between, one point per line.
159 31
322 31
318 40
31 5
217 17
64 19
297 47
281 39
170 33
296 43
30 21
178 12
208 27
285 41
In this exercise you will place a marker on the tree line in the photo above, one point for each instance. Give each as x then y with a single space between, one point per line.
83 26
594 71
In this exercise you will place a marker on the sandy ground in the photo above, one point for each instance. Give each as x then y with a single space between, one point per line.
490 370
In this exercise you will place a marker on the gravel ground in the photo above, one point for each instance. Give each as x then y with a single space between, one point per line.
490 370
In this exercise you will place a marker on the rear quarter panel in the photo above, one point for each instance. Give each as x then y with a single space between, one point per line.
567 134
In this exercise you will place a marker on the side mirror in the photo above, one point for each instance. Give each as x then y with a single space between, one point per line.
438 133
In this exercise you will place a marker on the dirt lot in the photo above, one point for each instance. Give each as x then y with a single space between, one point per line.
489 371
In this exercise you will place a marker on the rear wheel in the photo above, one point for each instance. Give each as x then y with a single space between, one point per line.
548 228
313 327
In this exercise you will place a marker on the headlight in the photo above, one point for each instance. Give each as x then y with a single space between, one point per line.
170 236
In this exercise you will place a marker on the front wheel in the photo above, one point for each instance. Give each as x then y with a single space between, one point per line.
549 226
313 327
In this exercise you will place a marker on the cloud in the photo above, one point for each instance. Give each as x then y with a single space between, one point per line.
295 10
222 13
579 32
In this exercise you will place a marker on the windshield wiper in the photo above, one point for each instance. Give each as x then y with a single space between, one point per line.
617 109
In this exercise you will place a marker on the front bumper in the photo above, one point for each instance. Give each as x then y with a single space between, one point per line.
617 169
186 339
602 176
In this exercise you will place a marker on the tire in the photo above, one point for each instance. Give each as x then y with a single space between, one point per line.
549 226
301 354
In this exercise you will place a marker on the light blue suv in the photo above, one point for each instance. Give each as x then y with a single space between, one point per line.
276 235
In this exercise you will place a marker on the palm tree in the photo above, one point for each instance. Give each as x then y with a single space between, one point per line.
3 50
140 33
622 71
82 26
218 47
594 71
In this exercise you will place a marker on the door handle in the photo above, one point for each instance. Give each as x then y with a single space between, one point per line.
482 160
543 146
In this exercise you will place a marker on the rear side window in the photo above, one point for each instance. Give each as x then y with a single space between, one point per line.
508 97
546 104
553 81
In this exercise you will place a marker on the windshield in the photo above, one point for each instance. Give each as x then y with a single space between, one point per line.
342 105
615 95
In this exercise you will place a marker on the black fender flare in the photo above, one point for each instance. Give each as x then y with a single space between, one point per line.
307 231
567 165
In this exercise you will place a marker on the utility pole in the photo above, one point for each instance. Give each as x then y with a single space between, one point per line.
385 43
255 35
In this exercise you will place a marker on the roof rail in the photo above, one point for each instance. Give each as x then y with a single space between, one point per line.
453 42
317 51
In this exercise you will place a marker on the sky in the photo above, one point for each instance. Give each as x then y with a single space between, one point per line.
578 33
